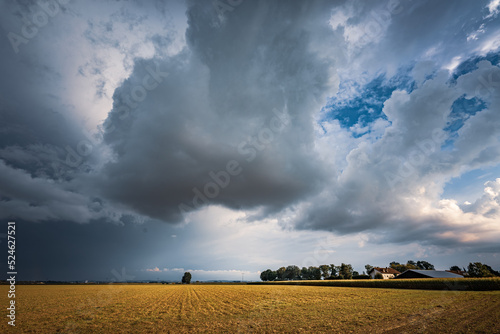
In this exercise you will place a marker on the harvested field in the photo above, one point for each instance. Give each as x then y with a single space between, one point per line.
152 308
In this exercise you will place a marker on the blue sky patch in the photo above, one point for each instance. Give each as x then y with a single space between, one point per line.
470 64
461 110
470 185
366 106
363 104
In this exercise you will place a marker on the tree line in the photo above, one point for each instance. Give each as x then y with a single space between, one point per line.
477 269
324 271
345 271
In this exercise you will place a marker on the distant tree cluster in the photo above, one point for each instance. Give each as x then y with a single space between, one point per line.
477 269
325 271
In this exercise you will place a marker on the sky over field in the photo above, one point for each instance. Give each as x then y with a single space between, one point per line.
141 139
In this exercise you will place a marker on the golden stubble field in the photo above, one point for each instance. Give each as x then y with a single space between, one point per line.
248 309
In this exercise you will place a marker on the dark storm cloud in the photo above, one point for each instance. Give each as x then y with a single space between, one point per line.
243 94
42 146
31 112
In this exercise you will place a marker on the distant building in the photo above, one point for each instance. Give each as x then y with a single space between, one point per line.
385 272
413 273
458 272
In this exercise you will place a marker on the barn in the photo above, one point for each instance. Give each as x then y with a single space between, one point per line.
413 273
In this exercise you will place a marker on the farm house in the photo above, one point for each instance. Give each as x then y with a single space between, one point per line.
385 272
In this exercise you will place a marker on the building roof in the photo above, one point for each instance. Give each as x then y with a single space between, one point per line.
434 273
458 272
385 270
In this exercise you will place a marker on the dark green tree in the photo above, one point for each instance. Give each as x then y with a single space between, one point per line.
403 267
368 268
411 265
314 273
268 275
337 268
325 270
491 270
424 265
280 273
397 266
292 272
477 269
345 271
455 268
333 271
304 273
186 279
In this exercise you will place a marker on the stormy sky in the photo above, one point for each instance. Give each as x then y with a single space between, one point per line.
140 139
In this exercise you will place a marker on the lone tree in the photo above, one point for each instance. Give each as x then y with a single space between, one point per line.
186 279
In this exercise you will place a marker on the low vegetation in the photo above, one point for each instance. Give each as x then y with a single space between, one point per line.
194 308
456 284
